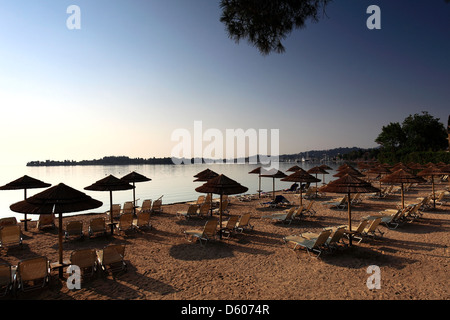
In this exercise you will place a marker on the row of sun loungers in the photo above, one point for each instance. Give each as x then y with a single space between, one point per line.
235 224
34 273
292 214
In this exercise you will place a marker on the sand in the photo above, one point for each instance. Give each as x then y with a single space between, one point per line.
413 260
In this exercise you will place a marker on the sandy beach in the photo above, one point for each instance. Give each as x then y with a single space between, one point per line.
257 265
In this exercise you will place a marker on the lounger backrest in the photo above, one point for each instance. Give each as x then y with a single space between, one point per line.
83 258
231 223
338 234
244 220
299 211
143 218
290 213
126 220
113 253
204 208
373 225
192 209
146 205
8 221
200 200
97 224
157 204
10 234
210 228
323 236
46 219
33 269
74 226
5 274
127 207
362 225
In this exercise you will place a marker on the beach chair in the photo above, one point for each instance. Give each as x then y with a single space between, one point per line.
192 212
46 221
372 228
311 245
340 203
127 207
6 279
157 206
32 274
86 260
309 208
143 221
146 206
357 198
10 236
8 221
74 229
116 210
284 217
230 226
244 223
310 193
208 232
298 213
111 258
224 205
97 226
125 222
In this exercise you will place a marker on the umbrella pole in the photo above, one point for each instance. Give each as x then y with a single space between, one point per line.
220 218
349 220
134 199
60 250
434 197
111 211
25 226
259 190
273 188
403 197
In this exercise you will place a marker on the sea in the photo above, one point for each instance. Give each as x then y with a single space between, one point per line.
171 183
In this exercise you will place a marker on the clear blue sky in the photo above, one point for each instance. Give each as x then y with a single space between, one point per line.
137 70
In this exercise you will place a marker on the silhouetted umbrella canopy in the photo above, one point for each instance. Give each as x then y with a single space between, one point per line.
274 174
206 173
348 170
293 169
110 183
134 177
25 183
400 165
324 166
317 170
401 177
431 171
58 199
300 176
349 184
221 185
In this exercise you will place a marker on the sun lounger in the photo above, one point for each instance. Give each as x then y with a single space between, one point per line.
311 245
46 221
207 233
285 216
340 203
86 260
244 223
116 210
372 228
10 236
125 222
146 206
192 212
8 221
230 226
6 279
127 207
143 221
111 258
224 205
97 226
309 208
74 229
32 274
157 206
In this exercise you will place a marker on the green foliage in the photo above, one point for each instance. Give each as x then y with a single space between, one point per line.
420 138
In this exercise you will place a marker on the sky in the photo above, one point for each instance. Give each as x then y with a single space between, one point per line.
139 70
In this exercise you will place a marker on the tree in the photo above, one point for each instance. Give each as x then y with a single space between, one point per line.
417 133
264 23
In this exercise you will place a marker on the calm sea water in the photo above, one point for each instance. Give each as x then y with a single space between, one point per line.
173 182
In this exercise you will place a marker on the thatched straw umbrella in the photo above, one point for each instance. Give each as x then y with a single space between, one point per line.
25 183
110 183
348 184
58 199
134 177
401 177
431 171
317 170
300 176
205 176
221 185
293 168
348 170
379 171
274 174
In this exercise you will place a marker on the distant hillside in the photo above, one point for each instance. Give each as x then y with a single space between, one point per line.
313 155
